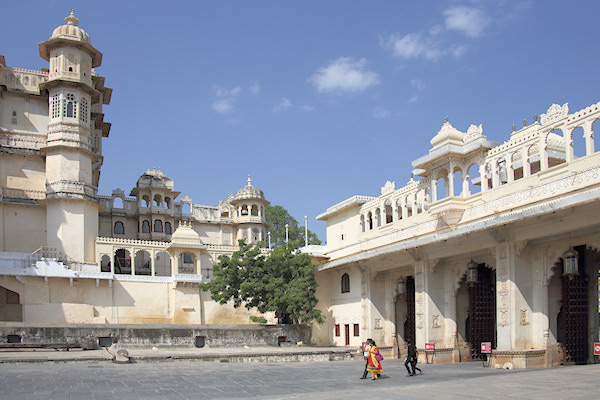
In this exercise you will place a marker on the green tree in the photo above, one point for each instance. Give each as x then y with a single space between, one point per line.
282 282
277 217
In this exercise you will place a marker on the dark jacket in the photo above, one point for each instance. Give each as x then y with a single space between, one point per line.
412 351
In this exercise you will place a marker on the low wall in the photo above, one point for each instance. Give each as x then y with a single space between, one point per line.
91 336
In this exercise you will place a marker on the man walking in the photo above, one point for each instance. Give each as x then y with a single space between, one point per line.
411 358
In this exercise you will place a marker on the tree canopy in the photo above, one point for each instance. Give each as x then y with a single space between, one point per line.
282 282
277 217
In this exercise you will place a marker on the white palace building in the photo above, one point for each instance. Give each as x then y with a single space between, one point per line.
69 255
487 243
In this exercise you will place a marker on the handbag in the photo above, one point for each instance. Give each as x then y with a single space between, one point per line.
378 357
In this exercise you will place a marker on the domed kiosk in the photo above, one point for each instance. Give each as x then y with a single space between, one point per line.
250 204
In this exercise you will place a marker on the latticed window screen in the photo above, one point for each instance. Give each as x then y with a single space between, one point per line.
55 106
83 115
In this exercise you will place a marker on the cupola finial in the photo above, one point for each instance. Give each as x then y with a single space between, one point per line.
249 181
72 19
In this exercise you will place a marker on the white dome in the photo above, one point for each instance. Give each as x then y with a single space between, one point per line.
71 30
249 192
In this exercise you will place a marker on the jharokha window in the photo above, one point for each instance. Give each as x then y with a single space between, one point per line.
345 283
119 228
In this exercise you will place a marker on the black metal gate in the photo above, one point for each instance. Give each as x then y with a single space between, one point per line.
575 313
482 311
409 328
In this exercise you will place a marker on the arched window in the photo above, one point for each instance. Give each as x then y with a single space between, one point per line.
168 229
145 226
70 106
119 228
158 226
345 283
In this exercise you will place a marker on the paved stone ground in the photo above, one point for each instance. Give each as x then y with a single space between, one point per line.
304 380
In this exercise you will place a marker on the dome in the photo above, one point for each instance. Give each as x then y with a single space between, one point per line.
71 30
155 179
249 192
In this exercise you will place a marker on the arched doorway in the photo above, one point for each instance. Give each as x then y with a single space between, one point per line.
405 311
480 324
577 309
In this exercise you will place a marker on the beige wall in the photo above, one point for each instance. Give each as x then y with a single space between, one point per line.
23 228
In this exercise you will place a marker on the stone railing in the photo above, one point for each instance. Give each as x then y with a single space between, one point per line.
245 219
66 188
544 187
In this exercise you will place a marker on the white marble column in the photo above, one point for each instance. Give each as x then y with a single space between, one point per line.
504 297
588 134
568 137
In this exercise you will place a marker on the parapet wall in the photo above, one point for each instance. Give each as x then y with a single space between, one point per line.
90 336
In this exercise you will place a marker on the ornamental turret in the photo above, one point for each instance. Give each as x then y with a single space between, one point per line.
73 147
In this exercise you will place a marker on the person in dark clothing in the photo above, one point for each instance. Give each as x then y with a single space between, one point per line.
411 358
365 349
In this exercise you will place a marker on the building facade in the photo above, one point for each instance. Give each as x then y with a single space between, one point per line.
487 243
69 255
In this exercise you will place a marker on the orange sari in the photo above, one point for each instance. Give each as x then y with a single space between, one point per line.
374 366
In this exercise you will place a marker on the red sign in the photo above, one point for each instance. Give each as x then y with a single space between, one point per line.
597 349
486 347
429 346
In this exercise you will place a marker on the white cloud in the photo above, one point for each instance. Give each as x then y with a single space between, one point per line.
307 108
381 112
344 75
412 45
413 99
471 21
417 84
226 99
282 105
254 88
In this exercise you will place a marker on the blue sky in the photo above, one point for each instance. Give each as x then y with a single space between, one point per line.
316 100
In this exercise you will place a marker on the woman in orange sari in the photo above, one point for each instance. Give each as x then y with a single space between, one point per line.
374 366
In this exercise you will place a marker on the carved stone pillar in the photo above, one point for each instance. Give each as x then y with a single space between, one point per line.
365 314
483 176
510 173
568 136
588 134
450 325
526 165
495 174
421 326
504 296
540 320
